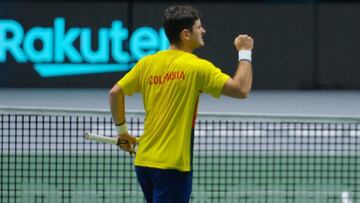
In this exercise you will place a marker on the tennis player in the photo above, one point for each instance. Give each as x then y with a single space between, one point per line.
170 82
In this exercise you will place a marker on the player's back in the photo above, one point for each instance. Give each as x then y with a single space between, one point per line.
170 93
167 77
170 82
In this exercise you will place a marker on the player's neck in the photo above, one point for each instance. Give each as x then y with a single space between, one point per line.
181 48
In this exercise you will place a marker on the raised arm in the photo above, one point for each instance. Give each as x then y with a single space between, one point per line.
239 85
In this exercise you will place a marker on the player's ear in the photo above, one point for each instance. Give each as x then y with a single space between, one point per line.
185 35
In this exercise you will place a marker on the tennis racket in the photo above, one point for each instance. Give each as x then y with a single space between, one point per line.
106 140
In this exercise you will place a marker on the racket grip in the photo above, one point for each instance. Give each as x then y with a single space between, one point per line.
102 139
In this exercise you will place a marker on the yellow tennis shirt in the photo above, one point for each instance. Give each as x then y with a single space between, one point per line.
170 82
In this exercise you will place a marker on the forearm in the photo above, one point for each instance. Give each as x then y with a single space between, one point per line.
239 85
244 76
117 107
117 104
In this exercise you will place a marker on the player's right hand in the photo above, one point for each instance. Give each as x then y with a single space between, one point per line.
244 42
127 142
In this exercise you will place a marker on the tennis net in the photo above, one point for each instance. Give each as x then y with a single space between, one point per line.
237 158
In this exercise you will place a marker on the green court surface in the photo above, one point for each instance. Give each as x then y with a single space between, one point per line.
246 178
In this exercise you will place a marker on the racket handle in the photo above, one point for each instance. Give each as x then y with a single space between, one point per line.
100 138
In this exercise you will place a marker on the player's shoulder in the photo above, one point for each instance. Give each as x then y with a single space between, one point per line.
146 58
153 57
195 60
202 63
205 62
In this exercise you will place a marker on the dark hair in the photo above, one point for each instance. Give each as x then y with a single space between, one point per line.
178 18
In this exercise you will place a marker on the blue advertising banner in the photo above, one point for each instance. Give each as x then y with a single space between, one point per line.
66 41
93 44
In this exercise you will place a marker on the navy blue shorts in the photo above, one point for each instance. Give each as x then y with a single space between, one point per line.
164 185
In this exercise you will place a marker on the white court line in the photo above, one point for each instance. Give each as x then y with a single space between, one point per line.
345 197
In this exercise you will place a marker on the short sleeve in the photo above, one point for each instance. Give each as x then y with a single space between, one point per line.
213 80
130 83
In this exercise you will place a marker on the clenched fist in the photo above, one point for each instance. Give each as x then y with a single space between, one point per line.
244 42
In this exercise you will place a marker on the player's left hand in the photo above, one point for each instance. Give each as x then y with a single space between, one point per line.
126 142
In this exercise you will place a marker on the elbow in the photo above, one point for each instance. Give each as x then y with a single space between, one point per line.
235 90
115 92
112 93
242 93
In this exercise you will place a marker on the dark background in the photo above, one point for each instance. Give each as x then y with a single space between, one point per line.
298 44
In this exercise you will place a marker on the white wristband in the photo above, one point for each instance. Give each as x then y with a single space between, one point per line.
245 55
121 129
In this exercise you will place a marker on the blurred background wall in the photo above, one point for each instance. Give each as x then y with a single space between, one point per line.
299 45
